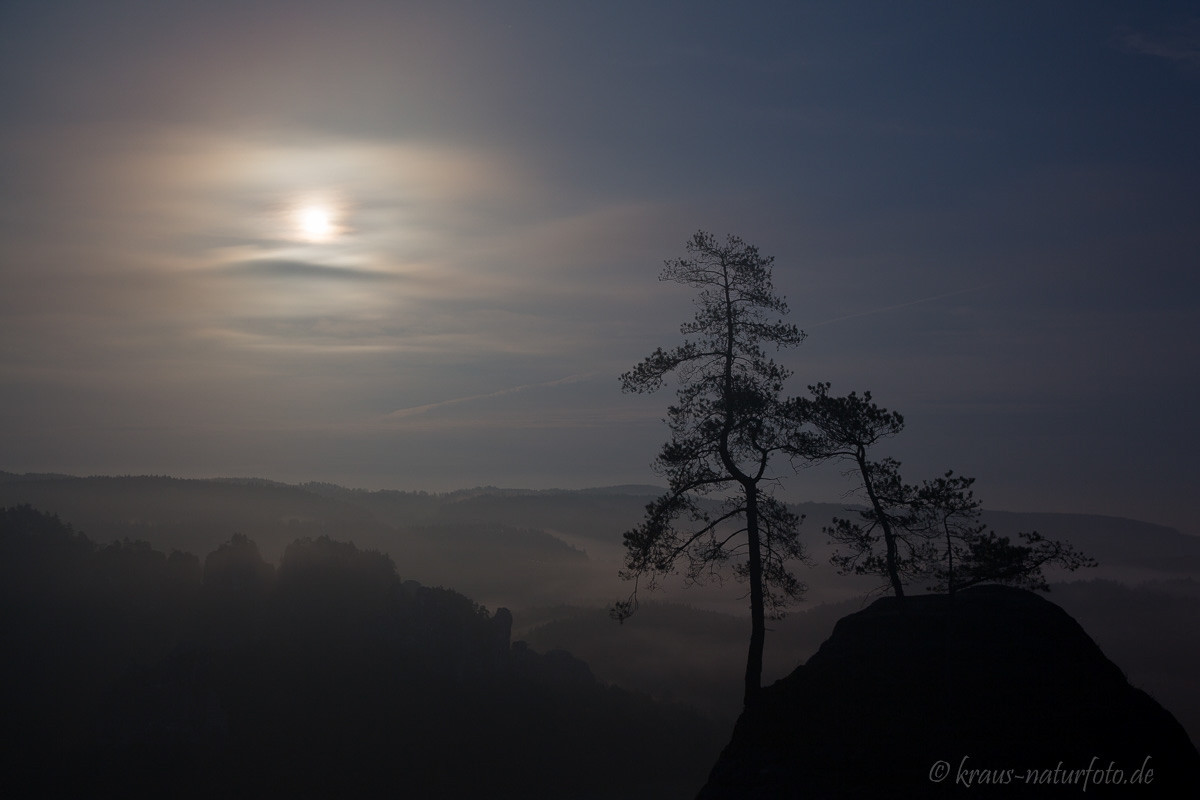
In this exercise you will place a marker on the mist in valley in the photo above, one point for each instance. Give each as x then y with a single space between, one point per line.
542 565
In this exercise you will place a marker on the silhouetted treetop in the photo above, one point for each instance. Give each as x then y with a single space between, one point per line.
314 562
932 530
844 426
723 350
237 564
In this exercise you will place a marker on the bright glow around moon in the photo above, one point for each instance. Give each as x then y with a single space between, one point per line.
316 223
314 219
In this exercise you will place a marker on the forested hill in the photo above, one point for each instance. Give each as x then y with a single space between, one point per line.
419 531
133 671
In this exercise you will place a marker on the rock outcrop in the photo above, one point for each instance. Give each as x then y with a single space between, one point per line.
996 692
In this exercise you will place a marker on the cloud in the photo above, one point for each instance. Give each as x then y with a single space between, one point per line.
1181 46
403 413
271 268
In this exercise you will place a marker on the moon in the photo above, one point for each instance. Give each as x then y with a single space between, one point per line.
316 223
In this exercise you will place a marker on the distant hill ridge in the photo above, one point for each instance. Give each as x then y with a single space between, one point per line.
1157 546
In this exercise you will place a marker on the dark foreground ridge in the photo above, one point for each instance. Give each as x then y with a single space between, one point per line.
994 693
128 672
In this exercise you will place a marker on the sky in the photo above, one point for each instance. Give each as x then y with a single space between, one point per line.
412 245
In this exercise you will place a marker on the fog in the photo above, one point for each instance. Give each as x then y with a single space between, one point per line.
253 578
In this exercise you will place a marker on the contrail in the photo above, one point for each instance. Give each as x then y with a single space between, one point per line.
898 305
400 413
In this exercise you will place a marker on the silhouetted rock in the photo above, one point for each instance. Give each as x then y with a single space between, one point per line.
997 688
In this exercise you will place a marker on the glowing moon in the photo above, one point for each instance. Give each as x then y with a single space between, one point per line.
313 217
316 223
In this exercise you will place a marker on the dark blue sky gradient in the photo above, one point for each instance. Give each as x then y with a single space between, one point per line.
986 213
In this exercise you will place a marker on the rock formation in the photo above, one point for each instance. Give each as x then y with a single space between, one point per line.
995 692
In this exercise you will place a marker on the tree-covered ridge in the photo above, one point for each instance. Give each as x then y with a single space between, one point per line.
329 675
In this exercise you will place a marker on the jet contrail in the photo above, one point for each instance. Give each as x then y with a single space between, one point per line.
898 305
414 410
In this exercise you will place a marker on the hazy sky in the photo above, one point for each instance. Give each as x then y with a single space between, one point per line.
412 245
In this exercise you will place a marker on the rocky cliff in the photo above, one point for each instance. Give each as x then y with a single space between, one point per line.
996 692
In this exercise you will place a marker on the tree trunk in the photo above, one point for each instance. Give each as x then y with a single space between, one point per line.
889 537
949 560
758 622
